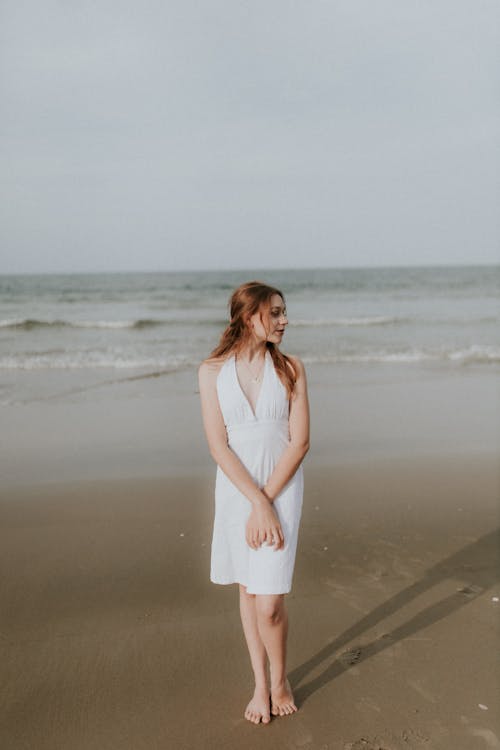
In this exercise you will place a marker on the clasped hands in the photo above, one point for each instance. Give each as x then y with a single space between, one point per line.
263 526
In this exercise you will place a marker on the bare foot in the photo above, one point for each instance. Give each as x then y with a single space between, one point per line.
282 702
258 708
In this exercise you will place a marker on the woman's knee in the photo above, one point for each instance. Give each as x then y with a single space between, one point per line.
270 609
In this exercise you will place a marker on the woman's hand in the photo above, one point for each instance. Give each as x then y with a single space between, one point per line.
263 526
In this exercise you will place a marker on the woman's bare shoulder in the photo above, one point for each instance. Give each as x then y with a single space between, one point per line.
297 364
209 368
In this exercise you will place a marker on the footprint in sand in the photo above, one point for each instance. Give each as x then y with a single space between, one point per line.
351 656
413 737
364 743
471 590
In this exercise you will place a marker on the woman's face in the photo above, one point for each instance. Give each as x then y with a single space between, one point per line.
276 321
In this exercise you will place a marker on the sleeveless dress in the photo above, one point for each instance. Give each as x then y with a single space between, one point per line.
258 439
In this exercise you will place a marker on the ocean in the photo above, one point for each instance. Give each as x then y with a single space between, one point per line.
122 325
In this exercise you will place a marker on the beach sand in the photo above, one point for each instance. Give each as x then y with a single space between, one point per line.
112 635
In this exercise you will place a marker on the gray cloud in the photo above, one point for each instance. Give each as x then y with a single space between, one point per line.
222 134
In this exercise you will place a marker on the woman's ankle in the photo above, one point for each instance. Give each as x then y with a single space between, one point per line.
279 681
261 685
261 679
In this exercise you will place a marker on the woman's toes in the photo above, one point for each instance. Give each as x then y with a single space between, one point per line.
282 702
258 709
284 709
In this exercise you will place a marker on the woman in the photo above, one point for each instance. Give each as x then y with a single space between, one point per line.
256 418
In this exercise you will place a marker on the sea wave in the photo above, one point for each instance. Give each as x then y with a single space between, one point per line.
61 359
385 320
29 324
474 354
88 360
375 320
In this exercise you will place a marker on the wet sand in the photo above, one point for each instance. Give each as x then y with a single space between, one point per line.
112 635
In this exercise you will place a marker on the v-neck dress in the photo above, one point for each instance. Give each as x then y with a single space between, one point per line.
259 439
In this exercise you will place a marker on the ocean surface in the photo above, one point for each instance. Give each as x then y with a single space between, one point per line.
120 325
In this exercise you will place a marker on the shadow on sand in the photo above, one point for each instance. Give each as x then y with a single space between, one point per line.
477 563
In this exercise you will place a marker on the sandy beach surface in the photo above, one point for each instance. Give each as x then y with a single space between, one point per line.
112 636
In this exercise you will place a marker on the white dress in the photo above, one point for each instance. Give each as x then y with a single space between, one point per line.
258 439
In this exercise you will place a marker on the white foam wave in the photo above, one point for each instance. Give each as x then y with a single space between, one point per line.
384 320
30 324
474 354
372 320
87 360
33 323
62 360
104 323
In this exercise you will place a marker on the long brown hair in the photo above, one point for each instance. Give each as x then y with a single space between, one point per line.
248 299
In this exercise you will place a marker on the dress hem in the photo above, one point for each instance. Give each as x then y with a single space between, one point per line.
269 593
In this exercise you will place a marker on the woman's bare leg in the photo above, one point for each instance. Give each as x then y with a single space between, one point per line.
258 709
272 623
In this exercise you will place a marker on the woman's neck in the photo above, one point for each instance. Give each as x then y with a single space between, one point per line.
253 351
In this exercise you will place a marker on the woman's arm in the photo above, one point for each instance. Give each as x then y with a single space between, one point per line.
268 524
215 431
298 446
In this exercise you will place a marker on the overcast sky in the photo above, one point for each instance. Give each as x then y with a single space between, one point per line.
227 134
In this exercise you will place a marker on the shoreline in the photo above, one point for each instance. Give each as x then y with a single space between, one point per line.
153 427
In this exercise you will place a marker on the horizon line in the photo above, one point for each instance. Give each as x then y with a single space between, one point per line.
247 269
